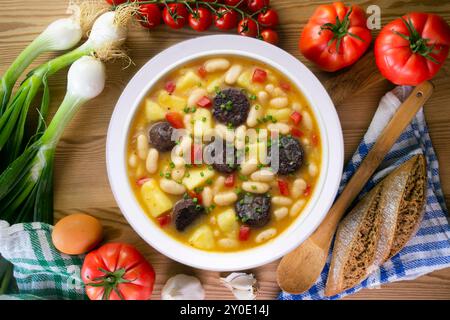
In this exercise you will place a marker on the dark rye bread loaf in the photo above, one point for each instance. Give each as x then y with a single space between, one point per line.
379 226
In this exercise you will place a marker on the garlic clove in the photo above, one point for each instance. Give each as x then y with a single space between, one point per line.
242 285
183 287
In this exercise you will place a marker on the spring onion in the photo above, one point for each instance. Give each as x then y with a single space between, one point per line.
26 185
107 35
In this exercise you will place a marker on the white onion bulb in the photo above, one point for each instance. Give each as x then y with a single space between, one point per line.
86 78
62 34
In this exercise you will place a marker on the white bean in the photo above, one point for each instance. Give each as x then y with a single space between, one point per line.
133 160
255 187
240 137
178 173
249 166
228 243
253 115
296 106
307 120
296 207
266 235
140 170
263 175
217 64
278 92
187 121
225 198
282 128
142 146
171 187
280 213
207 196
233 74
269 88
218 184
298 187
312 169
263 97
178 162
281 201
196 95
151 163
279 102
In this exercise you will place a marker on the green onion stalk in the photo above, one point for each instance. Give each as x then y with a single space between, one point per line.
26 186
108 33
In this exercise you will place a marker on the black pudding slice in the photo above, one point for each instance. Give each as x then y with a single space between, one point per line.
231 106
219 151
160 136
185 212
254 209
290 156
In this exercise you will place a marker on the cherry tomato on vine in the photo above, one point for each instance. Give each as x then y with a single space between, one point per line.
256 5
235 2
270 36
247 27
268 18
150 15
226 19
200 19
175 15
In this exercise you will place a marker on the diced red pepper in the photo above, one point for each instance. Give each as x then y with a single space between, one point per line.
195 195
229 180
175 119
204 102
164 220
141 181
315 139
196 153
285 86
259 75
307 191
296 132
170 87
202 72
284 187
296 117
244 232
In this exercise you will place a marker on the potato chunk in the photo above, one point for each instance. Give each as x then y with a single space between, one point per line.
156 200
189 80
202 238
197 177
226 220
153 111
171 102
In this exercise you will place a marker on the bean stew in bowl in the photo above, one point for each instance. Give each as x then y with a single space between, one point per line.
224 153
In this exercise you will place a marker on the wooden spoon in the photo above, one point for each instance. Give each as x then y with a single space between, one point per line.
299 269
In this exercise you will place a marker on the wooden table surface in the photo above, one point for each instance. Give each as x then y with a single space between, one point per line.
81 182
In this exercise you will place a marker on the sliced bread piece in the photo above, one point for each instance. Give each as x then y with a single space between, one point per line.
355 244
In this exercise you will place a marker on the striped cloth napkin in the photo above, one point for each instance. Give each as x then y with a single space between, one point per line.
40 270
429 249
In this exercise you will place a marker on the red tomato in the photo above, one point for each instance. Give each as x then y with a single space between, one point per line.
256 5
244 232
229 180
268 18
226 19
202 72
335 36
296 132
307 191
116 2
164 220
204 102
315 139
247 27
412 49
117 271
197 196
270 36
296 117
284 187
150 15
141 181
175 119
170 87
235 3
200 19
285 86
175 15
259 75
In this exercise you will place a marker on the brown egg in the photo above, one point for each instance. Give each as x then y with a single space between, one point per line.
77 233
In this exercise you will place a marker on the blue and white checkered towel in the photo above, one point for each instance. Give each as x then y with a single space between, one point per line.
429 249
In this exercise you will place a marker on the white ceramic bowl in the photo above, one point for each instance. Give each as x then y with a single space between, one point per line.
330 132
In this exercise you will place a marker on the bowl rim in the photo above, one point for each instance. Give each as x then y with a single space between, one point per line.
225 45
